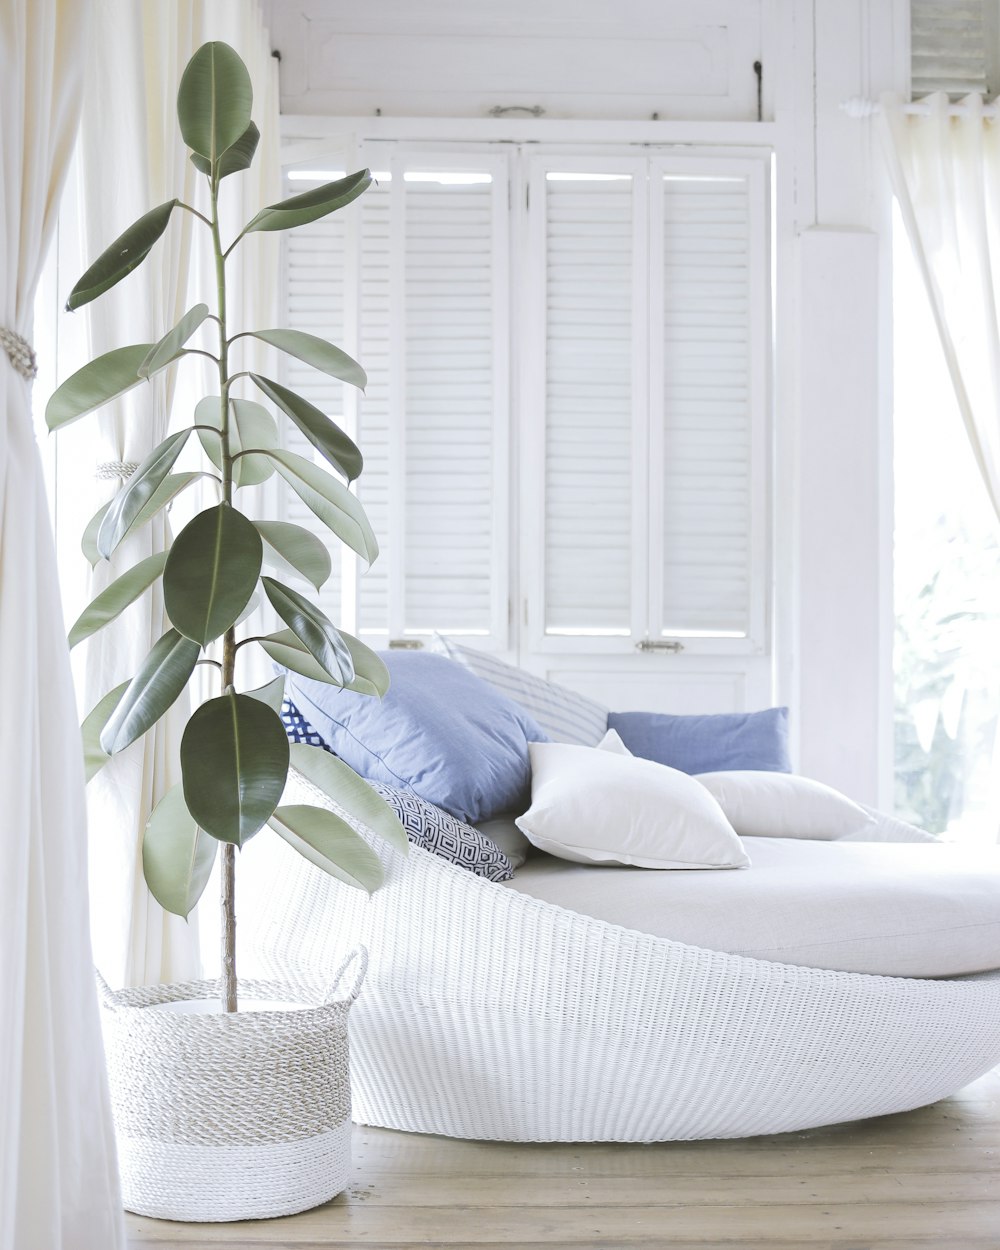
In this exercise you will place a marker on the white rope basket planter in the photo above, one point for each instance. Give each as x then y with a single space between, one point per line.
230 1116
492 1015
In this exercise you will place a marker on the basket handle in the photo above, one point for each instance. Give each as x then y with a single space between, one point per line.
104 991
359 956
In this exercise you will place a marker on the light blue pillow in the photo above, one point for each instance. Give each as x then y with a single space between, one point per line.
722 742
441 732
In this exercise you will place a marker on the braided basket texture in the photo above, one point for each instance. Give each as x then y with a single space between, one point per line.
230 1117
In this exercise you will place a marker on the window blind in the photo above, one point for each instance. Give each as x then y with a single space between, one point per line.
704 469
953 47
589 348
315 269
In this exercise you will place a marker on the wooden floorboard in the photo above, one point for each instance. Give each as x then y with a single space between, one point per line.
926 1180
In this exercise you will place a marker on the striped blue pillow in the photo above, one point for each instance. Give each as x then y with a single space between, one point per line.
564 715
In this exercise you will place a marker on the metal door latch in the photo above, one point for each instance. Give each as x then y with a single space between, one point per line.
659 644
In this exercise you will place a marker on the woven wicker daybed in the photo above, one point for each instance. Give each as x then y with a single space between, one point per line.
488 1014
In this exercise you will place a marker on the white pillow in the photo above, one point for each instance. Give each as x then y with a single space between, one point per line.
612 742
562 713
598 807
782 805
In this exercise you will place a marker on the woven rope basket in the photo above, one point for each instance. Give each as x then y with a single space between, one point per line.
231 1116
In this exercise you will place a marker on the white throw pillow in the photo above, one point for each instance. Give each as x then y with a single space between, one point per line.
782 805
597 807
564 715
612 742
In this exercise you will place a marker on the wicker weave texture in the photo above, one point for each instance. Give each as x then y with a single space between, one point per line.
492 1015
225 1117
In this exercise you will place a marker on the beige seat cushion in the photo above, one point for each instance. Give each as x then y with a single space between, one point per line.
898 909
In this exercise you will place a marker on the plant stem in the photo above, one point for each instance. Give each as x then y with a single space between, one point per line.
229 638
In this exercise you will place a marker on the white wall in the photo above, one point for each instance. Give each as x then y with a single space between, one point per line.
683 61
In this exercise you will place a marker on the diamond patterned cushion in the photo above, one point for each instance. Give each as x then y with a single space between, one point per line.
426 826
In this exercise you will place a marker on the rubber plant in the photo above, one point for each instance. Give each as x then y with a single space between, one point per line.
234 753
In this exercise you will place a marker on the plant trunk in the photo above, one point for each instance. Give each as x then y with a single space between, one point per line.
229 638
229 927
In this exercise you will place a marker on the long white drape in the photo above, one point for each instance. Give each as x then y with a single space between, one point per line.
132 159
945 171
58 1173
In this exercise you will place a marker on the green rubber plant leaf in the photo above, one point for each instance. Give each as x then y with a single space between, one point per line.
327 438
250 425
311 205
330 843
234 761
169 488
177 856
137 492
88 543
341 783
162 676
211 572
165 493
330 500
236 158
118 260
94 755
297 549
370 674
316 352
214 101
169 347
273 694
95 384
115 598
313 628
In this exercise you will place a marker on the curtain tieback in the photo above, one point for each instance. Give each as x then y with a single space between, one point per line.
20 353
116 468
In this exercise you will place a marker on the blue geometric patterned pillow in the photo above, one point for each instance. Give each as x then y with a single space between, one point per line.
426 826
445 835
298 728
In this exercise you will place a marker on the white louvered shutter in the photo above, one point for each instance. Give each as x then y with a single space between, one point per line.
586 223
316 277
418 283
709 329
434 422
953 47
647 410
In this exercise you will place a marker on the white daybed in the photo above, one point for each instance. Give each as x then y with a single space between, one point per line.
491 1014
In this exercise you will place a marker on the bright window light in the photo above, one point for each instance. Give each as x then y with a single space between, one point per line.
448 179
587 633
331 175
565 177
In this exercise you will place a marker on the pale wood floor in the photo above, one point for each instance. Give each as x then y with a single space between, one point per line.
929 1179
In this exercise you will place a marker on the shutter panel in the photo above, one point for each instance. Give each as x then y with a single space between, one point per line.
953 47
706 461
450 441
316 273
589 346
375 299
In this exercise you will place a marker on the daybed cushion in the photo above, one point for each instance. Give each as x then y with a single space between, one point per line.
564 715
440 731
706 744
599 807
782 805
897 909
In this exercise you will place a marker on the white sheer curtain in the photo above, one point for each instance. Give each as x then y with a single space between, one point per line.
58 1173
945 171
133 159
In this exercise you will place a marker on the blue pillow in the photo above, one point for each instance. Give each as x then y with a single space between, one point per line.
722 742
441 732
